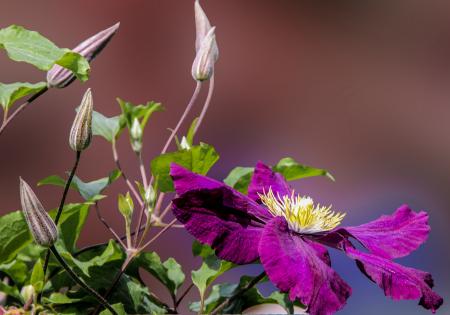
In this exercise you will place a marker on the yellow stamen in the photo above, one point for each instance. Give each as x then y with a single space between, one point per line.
301 213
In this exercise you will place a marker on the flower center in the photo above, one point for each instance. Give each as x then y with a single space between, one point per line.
300 213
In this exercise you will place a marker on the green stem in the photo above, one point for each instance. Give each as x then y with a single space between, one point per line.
80 282
249 285
59 212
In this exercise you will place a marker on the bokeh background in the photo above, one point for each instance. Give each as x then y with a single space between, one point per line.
358 87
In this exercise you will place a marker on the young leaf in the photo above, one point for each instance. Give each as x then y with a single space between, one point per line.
239 178
140 112
10 93
37 277
168 273
33 48
106 127
291 170
198 159
191 132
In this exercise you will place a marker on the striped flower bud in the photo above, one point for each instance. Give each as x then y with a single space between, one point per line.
39 222
81 132
203 66
60 77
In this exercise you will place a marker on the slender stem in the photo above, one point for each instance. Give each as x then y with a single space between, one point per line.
60 209
21 108
183 295
147 224
127 181
159 204
158 235
142 169
102 219
207 102
166 211
249 285
183 117
80 282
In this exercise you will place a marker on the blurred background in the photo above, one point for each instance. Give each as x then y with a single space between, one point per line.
360 88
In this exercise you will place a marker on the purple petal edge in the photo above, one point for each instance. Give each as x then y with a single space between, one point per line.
264 179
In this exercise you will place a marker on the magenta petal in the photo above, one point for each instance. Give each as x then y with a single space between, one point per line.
321 251
263 179
397 281
223 219
294 267
393 236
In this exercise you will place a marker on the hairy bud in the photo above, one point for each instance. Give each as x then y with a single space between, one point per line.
60 77
39 222
81 132
203 66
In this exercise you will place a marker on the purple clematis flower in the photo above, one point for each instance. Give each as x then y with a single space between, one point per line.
288 232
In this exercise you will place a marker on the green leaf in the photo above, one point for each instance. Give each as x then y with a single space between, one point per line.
88 190
71 223
10 93
11 291
16 270
14 235
211 268
198 159
291 170
33 48
59 298
119 308
239 178
140 112
168 273
37 276
191 132
106 127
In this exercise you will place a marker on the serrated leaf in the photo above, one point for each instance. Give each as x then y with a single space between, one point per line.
239 178
106 127
168 273
291 170
33 48
198 159
10 93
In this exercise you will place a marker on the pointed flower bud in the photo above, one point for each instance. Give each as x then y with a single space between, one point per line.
136 136
203 66
39 222
81 132
60 77
202 25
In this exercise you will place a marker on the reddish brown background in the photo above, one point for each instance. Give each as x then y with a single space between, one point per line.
361 89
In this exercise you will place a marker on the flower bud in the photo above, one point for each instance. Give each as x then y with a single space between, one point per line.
81 132
136 136
28 292
39 222
202 25
61 77
203 66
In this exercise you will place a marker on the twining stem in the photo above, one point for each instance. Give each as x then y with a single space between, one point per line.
60 209
206 105
127 181
183 117
243 290
108 227
19 109
80 282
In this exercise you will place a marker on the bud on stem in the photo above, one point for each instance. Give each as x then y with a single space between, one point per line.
136 136
81 132
39 222
60 77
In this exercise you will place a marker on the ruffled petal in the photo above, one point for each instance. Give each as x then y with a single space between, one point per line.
393 236
263 179
223 219
294 267
321 251
397 281
184 181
